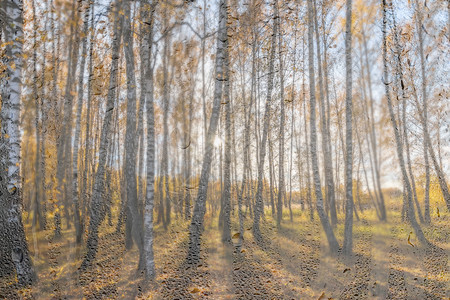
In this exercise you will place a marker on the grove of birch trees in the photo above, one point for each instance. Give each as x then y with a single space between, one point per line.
127 127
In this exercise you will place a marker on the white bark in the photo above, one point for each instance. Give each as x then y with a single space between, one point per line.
196 226
97 211
130 134
147 43
75 195
348 231
399 145
11 228
258 210
327 161
332 242
226 195
281 187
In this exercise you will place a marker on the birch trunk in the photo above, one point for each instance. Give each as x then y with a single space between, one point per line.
258 209
399 68
419 26
281 188
97 211
196 227
348 231
246 154
44 105
165 146
38 214
226 192
147 46
399 145
130 136
87 142
65 147
78 223
14 245
327 161
379 192
308 161
332 242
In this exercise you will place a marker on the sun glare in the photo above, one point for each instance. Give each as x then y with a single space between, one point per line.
217 141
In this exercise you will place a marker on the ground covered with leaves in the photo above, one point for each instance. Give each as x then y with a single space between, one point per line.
292 262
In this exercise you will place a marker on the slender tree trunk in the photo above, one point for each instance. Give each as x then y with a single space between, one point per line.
226 192
166 104
246 154
328 164
188 162
271 180
292 133
411 215
196 227
291 158
87 142
405 127
66 140
332 189
130 136
38 214
281 188
78 223
379 191
332 242
258 210
62 139
147 46
14 246
44 128
419 26
308 171
203 53
96 211
348 231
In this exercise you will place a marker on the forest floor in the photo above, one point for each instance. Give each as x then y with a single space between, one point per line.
292 262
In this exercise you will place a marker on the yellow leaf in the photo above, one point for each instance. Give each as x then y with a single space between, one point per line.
409 239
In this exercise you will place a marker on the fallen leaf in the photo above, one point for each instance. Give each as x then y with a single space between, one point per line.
409 239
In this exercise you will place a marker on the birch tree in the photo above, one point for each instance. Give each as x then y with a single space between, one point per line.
196 227
14 249
147 46
259 207
327 161
331 238
348 231
75 179
281 189
96 209
399 145
130 135
226 193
